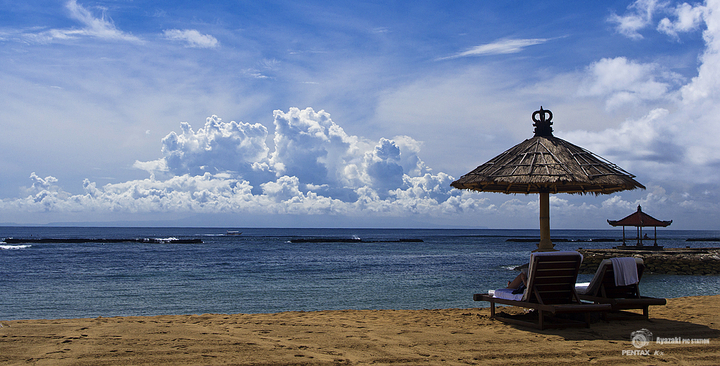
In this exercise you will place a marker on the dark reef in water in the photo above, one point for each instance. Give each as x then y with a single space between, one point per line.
95 240
353 240
562 240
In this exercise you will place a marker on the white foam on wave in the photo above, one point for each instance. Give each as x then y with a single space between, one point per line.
12 247
167 240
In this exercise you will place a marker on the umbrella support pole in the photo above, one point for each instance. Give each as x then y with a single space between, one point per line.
545 244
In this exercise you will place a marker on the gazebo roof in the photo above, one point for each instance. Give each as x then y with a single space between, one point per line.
639 219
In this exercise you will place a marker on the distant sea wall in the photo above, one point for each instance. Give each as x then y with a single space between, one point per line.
676 261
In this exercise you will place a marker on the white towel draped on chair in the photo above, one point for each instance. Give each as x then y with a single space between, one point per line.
625 270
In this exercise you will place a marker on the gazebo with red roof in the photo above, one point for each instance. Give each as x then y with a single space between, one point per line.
640 219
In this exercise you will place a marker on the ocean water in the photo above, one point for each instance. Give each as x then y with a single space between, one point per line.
262 271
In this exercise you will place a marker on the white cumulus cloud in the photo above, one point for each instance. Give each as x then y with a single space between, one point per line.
621 81
639 16
226 167
688 18
217 147
683 18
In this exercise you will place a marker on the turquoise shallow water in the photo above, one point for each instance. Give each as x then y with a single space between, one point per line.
262 271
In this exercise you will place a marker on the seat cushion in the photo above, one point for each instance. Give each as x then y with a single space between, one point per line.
507 294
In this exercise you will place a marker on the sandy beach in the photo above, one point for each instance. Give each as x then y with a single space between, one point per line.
362 337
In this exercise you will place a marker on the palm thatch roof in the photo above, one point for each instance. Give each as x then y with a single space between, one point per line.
547 164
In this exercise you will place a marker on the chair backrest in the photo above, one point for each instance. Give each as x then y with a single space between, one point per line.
609 289
603 283
552 276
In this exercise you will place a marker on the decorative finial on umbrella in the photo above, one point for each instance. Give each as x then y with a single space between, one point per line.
542 123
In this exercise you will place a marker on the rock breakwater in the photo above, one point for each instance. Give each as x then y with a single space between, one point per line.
676 261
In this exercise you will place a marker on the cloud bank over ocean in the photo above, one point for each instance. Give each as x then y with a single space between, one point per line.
313 168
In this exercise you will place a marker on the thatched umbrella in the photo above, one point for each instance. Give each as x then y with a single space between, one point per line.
546 164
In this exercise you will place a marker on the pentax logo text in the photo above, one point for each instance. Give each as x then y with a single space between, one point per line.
641 352
640 339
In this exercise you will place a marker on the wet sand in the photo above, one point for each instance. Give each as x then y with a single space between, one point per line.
362 337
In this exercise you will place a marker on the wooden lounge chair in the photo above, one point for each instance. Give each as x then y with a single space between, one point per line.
550 291
603 290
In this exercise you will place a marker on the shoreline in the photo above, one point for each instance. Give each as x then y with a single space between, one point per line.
478 305
359 337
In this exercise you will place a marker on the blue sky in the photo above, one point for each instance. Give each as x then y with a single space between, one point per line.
284 113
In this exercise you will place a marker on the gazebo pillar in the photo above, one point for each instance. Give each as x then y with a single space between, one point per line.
655 236
545 244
